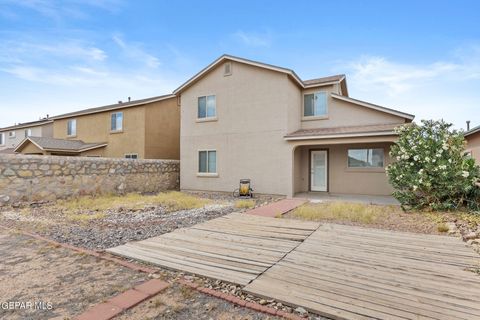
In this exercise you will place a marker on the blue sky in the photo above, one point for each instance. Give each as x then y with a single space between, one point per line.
422 57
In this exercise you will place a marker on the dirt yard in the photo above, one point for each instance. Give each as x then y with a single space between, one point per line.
33 271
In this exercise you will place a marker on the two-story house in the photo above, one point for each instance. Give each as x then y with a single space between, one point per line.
473 142
11 137
246 119
140 129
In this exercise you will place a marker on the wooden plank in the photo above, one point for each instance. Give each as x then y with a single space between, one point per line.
214 273
338 283
364 282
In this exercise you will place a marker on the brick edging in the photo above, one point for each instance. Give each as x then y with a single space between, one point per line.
240 302
124 301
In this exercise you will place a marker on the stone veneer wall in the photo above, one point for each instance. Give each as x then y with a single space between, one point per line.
32 178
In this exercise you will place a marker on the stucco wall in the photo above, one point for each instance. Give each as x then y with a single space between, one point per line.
342 179
248 133
36 178
473 145
162 130
93 128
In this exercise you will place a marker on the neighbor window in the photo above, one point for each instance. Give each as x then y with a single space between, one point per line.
2 139
11 134
72 127
131 156
117 121
207 161
227 69
207 107
315 104
365 158
28 132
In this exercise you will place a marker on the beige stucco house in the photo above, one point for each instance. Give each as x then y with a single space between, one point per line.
473 142
246 119
140 129
11 137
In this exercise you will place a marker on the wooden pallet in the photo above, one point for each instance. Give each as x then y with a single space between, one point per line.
236 248
346 272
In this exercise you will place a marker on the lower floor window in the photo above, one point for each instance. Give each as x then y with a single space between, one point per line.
131 156
207 161
365 158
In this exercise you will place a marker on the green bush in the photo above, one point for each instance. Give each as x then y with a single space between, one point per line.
430 168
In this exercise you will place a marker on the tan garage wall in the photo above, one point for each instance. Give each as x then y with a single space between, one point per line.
474 146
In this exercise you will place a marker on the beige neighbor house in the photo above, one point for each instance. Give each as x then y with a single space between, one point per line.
140 129
11 137
473 142
246 119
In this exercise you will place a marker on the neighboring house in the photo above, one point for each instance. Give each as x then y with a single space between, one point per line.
10 137
246 119
473 143
141 129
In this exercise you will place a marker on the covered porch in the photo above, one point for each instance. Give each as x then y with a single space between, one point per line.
333 166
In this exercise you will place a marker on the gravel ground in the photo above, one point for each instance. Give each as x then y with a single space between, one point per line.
120 225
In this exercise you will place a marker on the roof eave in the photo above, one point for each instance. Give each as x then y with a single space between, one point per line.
342 135
80 113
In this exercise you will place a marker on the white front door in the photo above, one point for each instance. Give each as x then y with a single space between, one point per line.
318 170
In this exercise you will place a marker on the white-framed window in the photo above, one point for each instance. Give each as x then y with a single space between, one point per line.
131 156
2 139
72 127
116 121
28 132
315 104
11 134
207 107
366 158
207 161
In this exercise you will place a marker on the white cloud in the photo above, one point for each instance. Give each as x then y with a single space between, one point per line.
439 89
253 39
136 52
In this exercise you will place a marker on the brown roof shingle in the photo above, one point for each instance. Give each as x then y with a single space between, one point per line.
332 131
63 144
322 80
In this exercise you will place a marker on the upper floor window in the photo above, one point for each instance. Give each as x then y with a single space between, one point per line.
11 134
207 161
2 139
207 107
28 132
116 123
227 69
315 104
365 158
72 127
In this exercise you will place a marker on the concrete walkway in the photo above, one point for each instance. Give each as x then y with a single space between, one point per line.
275 209
358 198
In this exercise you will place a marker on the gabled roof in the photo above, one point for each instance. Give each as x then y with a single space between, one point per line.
52 144
472 131
114 106
344 132
373 106
304 84
27 124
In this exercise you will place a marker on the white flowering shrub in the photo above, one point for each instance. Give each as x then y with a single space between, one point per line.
430 168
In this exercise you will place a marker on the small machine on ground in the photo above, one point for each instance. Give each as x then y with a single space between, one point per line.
245 189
